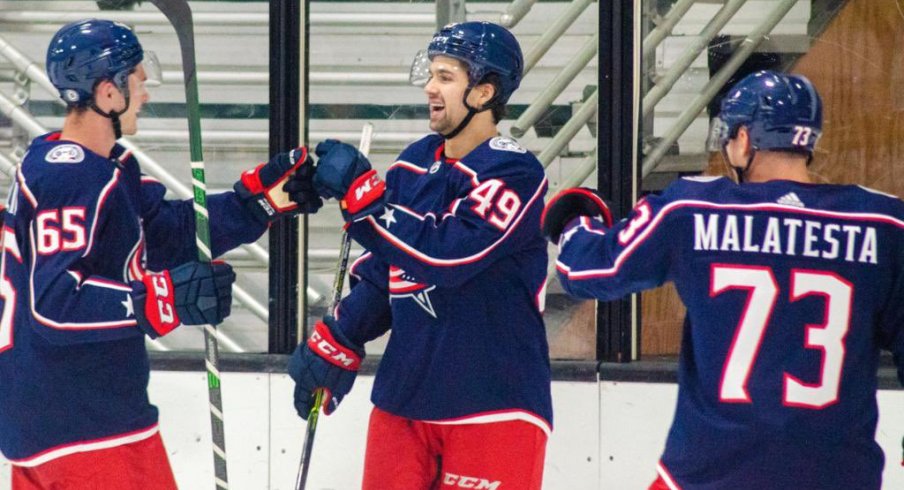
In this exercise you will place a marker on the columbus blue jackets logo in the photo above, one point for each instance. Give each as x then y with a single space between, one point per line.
506 144
66 154
403 285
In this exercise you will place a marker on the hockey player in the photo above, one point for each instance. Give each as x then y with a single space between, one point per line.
456 266
94 261
791 290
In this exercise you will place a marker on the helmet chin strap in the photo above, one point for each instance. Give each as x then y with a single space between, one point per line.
742 171
739 172
113 115
471 113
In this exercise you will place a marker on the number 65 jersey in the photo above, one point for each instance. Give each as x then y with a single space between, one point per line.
79 229
791 290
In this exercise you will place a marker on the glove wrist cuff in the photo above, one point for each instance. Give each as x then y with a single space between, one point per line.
262 188
155 310
363 191
325 345
256 204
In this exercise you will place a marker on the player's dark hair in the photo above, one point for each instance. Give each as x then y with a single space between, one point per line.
499 110
76 109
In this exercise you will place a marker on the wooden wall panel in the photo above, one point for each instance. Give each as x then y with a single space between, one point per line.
857 65
662 316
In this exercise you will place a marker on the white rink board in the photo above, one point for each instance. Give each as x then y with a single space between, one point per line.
264 436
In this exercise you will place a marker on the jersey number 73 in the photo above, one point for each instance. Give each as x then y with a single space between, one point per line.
763 292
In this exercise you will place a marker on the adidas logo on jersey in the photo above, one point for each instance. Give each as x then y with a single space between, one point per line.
791 199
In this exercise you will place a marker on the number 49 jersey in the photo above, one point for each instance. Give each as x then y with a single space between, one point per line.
457 264
791 291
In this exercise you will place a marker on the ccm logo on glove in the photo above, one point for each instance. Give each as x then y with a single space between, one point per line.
323 343
164 300
366 189
161 311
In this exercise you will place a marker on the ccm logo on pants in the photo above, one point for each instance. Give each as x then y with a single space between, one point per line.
459 481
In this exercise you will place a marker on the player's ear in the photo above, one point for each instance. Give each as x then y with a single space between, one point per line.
104 94
744 140
484 93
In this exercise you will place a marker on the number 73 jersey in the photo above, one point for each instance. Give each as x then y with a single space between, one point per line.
791 290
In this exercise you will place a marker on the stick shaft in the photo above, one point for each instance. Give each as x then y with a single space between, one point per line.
179 14
338 282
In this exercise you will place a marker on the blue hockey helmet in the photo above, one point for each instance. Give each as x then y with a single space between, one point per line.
87 51
781 112
485 48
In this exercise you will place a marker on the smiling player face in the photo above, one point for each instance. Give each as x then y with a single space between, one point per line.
445 91
138 97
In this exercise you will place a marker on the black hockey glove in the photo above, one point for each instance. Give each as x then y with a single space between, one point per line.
344 173
568 205
196 293
327 360
281 187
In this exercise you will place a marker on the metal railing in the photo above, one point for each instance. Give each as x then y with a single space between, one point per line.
212 77
225 19
515 12
554 32
570 129
541 103
261 138
664 28
715 83
701 41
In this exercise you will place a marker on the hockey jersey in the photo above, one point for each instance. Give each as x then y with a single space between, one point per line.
791 290
80 227
456 265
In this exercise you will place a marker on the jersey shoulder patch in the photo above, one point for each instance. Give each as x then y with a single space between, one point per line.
503 143
65 153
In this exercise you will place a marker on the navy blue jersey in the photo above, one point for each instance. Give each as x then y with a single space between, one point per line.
456 266
791 291
79 228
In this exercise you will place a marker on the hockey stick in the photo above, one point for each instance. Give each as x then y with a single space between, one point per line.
314 415
179 14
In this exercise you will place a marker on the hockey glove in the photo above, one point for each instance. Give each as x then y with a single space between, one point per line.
196 293
344 173
327 360
281 187
568 205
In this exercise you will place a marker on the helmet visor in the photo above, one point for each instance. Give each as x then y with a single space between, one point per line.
718 135
419 74
152 69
